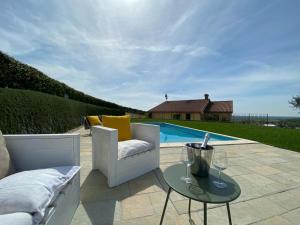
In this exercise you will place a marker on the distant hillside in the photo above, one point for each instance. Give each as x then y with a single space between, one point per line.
14 74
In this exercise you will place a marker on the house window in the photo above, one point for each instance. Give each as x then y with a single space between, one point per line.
188 116
176 116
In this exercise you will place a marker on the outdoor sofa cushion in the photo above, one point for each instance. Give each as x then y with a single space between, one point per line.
93 120
19 218
34 190
6 165
121 123
133 147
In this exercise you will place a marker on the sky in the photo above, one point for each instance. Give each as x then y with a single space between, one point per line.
132 52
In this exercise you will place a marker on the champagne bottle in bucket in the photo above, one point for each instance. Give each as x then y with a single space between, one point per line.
202 157
205 141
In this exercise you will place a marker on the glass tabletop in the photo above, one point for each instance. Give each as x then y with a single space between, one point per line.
202 188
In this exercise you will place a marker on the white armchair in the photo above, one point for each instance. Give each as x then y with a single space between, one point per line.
38 151
119 170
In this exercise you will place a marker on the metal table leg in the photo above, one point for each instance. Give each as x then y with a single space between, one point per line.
167 199
190 216
205 212
229 215
189 208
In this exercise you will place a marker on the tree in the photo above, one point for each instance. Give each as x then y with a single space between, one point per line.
295 102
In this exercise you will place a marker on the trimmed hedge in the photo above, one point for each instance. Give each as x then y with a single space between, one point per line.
14 74
24 111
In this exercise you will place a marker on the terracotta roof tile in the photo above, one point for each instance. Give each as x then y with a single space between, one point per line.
220 106
184 106
193 106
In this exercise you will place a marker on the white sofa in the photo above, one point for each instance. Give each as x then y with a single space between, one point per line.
105 147
30 152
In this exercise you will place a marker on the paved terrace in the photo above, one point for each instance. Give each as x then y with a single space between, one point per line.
269 178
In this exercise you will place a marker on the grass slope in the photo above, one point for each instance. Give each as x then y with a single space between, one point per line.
279 137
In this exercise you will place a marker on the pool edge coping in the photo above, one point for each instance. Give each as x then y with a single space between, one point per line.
230 142
215 143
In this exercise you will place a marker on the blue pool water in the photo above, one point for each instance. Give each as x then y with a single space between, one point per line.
171 133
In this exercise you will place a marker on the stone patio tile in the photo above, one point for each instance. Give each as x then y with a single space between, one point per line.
294 173
271 188
248 163
243 213
295 192
217 216
92 178
248 189
174 196
184 219
136 206
169 158
276 220
171 151
288 199
92 193
100 213
147 220
285 178
158 201
293 216
182 206
269 178
266 208
234 162
265 170
257 179
294 165
283 167
237 170
169 219
146 183
164 166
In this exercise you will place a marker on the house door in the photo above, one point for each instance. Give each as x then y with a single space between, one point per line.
188 116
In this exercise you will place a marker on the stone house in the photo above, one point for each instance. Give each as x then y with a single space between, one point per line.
198 109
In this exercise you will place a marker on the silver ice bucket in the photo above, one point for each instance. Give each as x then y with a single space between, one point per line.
202 159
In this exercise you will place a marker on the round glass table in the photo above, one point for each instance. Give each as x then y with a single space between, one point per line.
201 189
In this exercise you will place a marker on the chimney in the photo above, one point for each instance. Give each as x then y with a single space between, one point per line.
206 96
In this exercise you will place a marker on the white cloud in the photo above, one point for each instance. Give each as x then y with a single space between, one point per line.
132 52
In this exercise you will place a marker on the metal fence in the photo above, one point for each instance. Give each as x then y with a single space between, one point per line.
257 118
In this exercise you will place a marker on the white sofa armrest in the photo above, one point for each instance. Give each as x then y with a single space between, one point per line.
105 150
37 151
149 133
146 132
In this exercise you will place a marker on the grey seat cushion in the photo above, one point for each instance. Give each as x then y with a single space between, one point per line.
133 147
6 165
19 218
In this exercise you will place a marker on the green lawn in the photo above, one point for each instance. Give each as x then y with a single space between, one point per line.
279 137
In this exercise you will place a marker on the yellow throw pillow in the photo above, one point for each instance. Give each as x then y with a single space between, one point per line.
93 120
121 123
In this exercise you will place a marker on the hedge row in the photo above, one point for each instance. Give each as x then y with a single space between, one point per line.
14 74
24 111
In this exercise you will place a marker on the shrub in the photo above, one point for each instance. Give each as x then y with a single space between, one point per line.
24 111
14 74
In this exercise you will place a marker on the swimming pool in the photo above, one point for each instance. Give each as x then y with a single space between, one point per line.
172 133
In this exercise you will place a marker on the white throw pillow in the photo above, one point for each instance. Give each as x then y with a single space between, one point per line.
132 147
32 191
18 218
